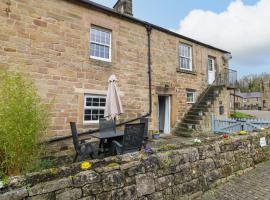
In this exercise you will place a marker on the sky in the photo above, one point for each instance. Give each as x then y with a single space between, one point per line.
239 26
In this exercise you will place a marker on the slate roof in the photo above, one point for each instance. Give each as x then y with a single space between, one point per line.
111 11
249 95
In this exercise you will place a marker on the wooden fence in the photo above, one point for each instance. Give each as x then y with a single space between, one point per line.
231 125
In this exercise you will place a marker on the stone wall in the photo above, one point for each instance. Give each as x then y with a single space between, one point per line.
170 173
48 41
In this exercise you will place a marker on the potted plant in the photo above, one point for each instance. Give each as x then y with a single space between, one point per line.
156 134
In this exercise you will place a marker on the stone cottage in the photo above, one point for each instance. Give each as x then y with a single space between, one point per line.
69 48
247 101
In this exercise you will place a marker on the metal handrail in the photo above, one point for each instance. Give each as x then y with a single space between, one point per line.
220 80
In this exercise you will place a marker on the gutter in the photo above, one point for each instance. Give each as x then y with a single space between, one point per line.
148 28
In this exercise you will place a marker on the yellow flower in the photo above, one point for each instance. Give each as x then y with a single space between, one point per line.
262 129
243 132
86 165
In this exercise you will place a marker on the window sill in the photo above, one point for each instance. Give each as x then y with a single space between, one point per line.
101 62
186 71
89 123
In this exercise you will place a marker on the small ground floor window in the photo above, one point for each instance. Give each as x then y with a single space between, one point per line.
190 96
94 106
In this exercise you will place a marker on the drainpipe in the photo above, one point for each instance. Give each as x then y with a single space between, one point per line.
149 31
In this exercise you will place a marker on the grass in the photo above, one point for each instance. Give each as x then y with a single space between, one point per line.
43 164
240 115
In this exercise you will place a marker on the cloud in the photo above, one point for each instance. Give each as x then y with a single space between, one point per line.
241 29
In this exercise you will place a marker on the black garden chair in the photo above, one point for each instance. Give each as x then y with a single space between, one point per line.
145 133
82 148
106 126
132 140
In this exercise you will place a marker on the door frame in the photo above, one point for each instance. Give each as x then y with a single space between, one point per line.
167 109
213 71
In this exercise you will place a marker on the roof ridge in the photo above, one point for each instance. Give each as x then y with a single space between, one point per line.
131 18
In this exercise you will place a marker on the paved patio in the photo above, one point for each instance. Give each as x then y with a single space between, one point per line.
253 185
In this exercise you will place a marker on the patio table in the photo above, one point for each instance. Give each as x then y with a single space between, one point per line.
109 136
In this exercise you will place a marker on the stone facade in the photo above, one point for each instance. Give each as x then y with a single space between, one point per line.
247 101
48 41
266 94
178 173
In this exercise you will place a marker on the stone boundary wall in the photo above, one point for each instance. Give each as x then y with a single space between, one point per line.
169 173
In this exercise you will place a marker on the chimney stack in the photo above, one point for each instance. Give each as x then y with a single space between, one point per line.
124 7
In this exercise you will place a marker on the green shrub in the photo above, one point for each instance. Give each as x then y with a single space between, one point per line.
23 123
240 115
42 164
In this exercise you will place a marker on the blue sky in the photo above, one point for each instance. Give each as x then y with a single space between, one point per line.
183 16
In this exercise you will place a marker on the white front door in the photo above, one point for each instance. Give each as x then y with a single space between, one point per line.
167 123
211 70
164 113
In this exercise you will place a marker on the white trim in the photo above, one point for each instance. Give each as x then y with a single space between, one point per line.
167 112
92 107
101 44
194 96
102 59
211 73
182 56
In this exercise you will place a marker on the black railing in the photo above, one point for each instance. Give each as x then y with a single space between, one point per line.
227 77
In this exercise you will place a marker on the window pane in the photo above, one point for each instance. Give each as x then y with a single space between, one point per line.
102 102
92 49
89 101
101 112
87 117
107 52
98 36
87 111
108 41
102 51
95 101
95 117
95 112
188 52
103 37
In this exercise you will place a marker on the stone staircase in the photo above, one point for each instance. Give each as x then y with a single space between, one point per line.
194 120
198 118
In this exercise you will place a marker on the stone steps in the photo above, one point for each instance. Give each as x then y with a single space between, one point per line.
193 118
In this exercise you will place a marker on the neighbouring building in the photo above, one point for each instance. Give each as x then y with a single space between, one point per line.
69 48
247 101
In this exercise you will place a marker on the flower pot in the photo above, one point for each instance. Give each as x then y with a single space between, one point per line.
156 136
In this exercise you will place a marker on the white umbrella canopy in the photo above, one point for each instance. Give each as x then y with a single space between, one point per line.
113 106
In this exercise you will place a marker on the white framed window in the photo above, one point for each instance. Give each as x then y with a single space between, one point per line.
100 44
94 106
211 64
185 57
191 96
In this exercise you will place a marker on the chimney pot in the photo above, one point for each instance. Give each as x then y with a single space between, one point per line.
124 7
